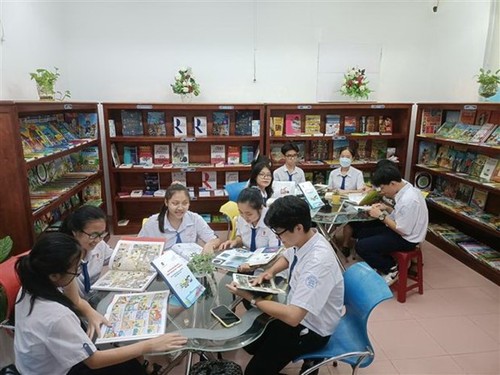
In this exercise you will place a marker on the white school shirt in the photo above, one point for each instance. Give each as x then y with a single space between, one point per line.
50 340
353 181
281 174
96 260
316 285
264 237
410 214
192 228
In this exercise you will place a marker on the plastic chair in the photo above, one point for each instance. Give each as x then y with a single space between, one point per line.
230 209
364 290
403 258
234 189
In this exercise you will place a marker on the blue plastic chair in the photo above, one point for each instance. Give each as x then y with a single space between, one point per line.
364 289
234 189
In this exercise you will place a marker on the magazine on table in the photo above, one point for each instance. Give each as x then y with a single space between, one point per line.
179 278
311 195
232 259
135 316
130 265
244 281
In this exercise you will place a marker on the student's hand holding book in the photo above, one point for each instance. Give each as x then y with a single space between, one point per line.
229 244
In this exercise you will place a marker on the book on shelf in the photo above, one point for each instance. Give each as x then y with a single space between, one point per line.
332 125
460 154
245 281
391 152
478 165
114 156
255 128
467 163
451 116
483 133
488 169
494 138
478 199
221 123
243 123
276 155
145 155
156 124
378 149
301 154
276 126
209 180
247 154
232 259
137 193
218 154
182 283
469 133
495 177
88 125
427 153
431 120
338 145
161 154
445 129
371 127
350 124
457 131
464 192
292 124
363 126
482 117
135 316
112 128
312 124
132 123
200 126
180 153
233 155
319 150
311 195
385 125
130 155
87 160
180 126
179 177
130 265
231 177
152 182
467 116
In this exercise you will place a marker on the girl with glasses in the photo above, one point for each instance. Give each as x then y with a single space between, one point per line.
49 338
262 179
289 171
177 224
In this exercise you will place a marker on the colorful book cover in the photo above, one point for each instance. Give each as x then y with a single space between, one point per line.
313 124
180 126
319 150
132 123
363 125
247 154
444 130
478 165
221 123
233 155
332 125
276 126
378 149
385 125
255 128
179 177
209 180
467 164
115 156
427 153
231 177
276 155
293 124
483 133
350 124
180 153
371 127
130 155
469 133
488 169
338 145
482 117
87 160
200 126
467 116
311 195
88 125
495 177
112 128
494 138
217 154
478 199
431 120
152 182
156 124
302 151
459 158
161 154
457 131
243 124
464 192
452 116
145 155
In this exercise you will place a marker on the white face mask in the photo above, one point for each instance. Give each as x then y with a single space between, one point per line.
345 162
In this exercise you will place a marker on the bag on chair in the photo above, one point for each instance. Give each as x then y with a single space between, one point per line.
216 368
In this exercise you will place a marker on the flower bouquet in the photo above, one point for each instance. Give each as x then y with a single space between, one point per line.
355 84
185 83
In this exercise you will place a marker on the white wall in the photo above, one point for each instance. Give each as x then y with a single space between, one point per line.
130 51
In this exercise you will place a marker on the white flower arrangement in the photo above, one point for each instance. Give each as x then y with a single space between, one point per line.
185 83
355 84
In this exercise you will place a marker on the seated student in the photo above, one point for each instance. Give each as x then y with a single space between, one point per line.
399 228
262 179
49 338
88 225
314 302
251 219
289 171
177 224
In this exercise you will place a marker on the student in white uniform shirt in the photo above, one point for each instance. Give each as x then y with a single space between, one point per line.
177 224
314 302
261 178
88 225
49 338
289 171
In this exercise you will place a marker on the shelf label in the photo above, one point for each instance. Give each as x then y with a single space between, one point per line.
144 106
188 139
377 106
188 169
304 107
68 106
339 137
470 107
226 107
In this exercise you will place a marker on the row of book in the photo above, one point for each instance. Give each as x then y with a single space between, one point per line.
156 124
333 125
478 250
459 160
486 134
49 134
475 197
177 154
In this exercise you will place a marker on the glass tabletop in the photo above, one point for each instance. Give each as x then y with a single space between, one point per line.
340 214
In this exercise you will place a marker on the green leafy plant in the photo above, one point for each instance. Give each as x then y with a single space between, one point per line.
5 249
185 83
355 84
488 82
46 81
201 264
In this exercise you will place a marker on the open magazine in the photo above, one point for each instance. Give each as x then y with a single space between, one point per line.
135 316
130 265
311 195
244 281
231 259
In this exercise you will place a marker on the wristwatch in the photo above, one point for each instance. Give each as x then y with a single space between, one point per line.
382 216
253 302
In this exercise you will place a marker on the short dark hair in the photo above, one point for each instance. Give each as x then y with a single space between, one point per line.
287 212
385 174
251 196
384 163
78 219
348 149
289 146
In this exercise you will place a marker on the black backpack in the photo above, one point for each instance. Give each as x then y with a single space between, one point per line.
219 367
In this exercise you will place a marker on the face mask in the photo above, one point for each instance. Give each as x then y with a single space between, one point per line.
345 162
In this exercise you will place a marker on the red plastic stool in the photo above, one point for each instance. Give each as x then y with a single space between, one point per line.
404 258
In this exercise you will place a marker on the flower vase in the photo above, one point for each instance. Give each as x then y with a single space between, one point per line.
486 91
45 94
186 98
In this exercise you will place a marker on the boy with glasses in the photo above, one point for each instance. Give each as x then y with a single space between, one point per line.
316 291
289 171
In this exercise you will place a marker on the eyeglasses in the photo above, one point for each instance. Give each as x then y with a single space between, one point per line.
78 270
265 175
95 236
291 156
278 233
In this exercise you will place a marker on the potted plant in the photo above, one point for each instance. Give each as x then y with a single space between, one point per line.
488 82
45 84
355 84
185 85
202 268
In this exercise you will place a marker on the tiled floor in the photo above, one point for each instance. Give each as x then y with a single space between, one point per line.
453 328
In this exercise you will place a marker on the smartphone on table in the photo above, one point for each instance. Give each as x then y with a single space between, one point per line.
224 315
